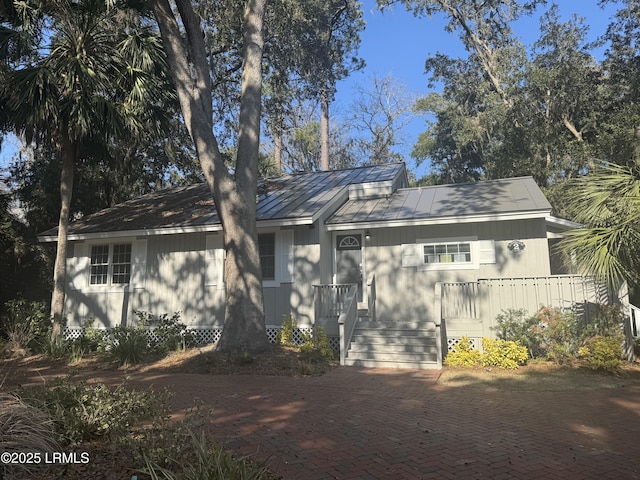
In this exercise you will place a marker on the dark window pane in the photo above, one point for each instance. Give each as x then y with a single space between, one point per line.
267 248
121 263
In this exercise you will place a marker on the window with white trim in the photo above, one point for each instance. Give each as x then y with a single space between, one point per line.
267 248
110 264
447 253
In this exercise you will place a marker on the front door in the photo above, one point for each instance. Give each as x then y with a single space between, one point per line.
349 261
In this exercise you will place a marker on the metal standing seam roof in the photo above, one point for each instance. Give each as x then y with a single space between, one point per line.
296 196
489 198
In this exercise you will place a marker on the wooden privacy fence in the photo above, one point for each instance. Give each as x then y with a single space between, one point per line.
470 308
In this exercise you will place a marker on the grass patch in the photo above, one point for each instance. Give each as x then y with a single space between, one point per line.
537 376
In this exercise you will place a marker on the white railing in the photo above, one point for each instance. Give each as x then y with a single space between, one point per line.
347 321
336 307
371 298
330 300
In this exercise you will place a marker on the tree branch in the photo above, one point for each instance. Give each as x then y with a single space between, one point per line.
571 127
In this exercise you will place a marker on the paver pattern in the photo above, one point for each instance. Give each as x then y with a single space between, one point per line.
365 424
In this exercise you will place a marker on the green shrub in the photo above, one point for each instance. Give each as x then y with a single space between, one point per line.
323 343
170 333
463 354
206 462
94 339
24 428
608 322
603 353
316 346
129 344
57 348
286 333
562 335
517 326
552 334
26 326
82 412
503 353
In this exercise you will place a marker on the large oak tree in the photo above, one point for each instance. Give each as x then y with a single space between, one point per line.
234 192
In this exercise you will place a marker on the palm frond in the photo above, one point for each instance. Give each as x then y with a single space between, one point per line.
607 203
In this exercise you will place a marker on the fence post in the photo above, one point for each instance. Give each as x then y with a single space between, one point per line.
441 340
486 306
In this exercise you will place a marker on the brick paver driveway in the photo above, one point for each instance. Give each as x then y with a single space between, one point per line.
398 424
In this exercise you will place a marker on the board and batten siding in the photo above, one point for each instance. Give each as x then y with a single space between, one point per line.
299 262
407 292
185 273
105 305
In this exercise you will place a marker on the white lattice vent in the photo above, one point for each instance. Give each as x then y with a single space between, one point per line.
452 343
72 333
211 335
207 335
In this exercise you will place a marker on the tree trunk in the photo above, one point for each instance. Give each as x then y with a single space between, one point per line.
324 130
244 325
65 152
234 197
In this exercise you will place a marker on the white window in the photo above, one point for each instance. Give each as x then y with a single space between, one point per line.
447 253
459 253
110 264
276 258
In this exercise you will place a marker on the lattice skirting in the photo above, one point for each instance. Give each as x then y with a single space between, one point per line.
206 335
453 342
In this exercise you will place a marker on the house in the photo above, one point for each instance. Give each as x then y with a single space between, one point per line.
402 247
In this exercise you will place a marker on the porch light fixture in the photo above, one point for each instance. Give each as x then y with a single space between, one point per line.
367 235
516 246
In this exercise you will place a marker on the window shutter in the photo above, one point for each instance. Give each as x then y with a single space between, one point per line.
78 267
411 255
138 263
285 256
486 251
214 261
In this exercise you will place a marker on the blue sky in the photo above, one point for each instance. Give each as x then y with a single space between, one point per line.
397 43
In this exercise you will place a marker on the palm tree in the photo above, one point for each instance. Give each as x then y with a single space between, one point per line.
607 203
77 73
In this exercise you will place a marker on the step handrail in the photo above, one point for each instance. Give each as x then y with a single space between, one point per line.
347 321
371 301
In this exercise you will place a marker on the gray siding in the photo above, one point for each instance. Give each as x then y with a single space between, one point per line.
176 280
175 276
407 293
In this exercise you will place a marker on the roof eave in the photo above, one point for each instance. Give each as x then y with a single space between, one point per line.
146 232
414 222
561 223
149 232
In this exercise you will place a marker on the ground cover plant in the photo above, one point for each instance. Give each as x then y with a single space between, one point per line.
566 339
121 432
24 428
25 327
496 353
